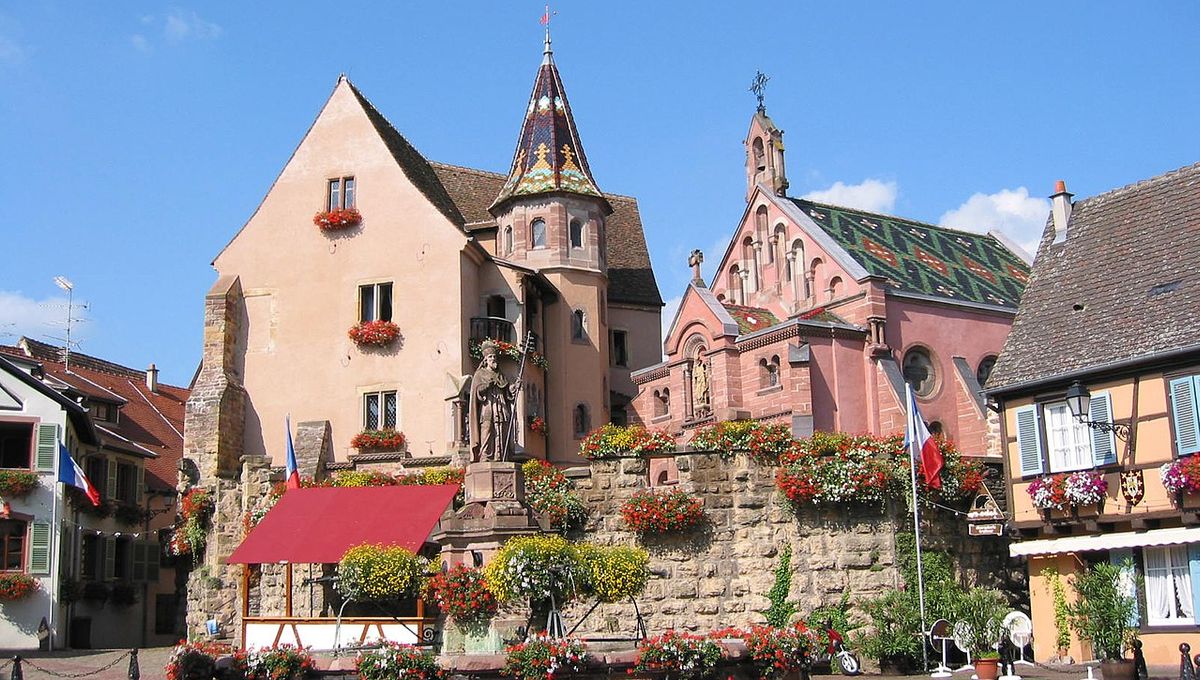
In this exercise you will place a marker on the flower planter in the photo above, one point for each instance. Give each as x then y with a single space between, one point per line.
17 483
337 220
987 669
1115 670
374 333
378 441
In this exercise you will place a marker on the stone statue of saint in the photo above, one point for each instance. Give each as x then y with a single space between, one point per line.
700 387
491 411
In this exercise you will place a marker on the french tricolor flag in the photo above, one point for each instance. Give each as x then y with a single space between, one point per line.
291 471
921 445
71 474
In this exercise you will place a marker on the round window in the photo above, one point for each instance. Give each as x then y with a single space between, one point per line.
919 371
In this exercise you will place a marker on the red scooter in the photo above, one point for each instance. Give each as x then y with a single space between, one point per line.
836 650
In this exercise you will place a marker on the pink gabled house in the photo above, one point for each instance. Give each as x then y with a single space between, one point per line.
817 315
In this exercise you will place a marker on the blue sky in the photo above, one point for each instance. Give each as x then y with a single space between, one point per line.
140 136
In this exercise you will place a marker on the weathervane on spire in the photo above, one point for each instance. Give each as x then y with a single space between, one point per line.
758 87
545 21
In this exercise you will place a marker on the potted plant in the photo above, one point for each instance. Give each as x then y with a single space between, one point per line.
983 610
1101 616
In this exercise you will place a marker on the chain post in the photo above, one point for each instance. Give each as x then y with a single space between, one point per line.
135 673
17 673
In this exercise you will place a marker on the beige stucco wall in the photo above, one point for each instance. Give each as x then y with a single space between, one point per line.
301 291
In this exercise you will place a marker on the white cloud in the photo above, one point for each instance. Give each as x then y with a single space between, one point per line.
20 315
181 25
140 43
1013 211
872 195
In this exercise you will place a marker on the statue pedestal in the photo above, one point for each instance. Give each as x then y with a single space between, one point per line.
494 510
491 482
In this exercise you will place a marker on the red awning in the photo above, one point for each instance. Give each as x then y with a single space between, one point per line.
318 526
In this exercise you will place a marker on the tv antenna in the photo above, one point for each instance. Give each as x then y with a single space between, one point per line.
65 284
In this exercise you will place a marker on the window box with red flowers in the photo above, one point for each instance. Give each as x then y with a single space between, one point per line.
378 440
17 483
15 585
509 350
1068 491
374 333
538 426
662 512
338 219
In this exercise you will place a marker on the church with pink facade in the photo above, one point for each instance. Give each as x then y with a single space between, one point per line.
817 315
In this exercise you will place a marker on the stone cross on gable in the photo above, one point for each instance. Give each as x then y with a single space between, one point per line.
759 88
694 261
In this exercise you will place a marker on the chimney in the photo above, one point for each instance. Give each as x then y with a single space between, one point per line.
1060 210
152 378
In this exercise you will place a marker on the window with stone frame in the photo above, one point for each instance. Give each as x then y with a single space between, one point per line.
96 469
768 372
126 483
16 445
581 420
662 402
380 410
919 371
91 559
341 194
578 325
576 233
620 348
12 544
1167 575
537 233
507 244
375 302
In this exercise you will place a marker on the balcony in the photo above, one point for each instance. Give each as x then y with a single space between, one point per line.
492 327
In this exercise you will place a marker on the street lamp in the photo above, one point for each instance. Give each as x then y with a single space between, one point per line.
1079 400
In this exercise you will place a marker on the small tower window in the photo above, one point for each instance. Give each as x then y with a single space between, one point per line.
578 325
662 402
508 240
537 233
582 420
576 234
768 372
735 285
620 348
760 156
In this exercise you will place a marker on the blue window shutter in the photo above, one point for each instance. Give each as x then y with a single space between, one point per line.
1194 568
1123 558
1183 412
1104 444
1029 440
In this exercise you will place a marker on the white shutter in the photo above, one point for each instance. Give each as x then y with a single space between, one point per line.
110 484
1029 440
47 447
1104 444
1183 413
39 548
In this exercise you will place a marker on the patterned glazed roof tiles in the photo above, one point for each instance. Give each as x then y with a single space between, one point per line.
925 259
1123 286
549 156
750 319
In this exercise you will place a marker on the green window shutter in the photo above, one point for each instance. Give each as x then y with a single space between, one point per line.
39 548
110 490
1029 440
1104 444
139 561
1183 412
47 447
141 483
152 557
110 558
1123 559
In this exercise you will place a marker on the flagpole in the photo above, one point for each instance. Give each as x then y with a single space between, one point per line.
913 448
55 550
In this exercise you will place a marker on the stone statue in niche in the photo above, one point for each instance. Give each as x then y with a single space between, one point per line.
492 409
700 401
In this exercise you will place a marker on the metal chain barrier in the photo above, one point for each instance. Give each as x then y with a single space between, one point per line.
84 674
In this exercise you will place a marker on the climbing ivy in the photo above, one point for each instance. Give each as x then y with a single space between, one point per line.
780 611
1062 636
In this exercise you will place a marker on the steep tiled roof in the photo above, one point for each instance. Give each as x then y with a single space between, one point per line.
549 156
150 423
414 165
630 277
750 319
1123 286
923 258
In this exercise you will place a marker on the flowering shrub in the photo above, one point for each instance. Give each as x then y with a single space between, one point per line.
775 651
537 425
463 594
375 333
15 585
762 442
433 476
610 441
193 660
378 440
361 478
613 573
548 491
284 662
660 512
17 483
379 572
340 218
532 567
195 512
508 349
391 661
680 655
1181 476
1067 490
540 657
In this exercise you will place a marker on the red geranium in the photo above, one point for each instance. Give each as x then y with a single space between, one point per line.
377 333
16 585
463 595
660 512
378 440
340 218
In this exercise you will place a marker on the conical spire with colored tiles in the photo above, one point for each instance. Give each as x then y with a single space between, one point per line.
549 156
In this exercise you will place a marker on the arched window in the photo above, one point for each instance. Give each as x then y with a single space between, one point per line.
578 325
760 156
920 371
798 266
537 233
814 275
985 369
768 370
835 287
760 223
751 263
779 244
508 240
735 285
662 402
581 420
576 234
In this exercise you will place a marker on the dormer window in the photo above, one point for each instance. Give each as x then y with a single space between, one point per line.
537 233
103 411
341 193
